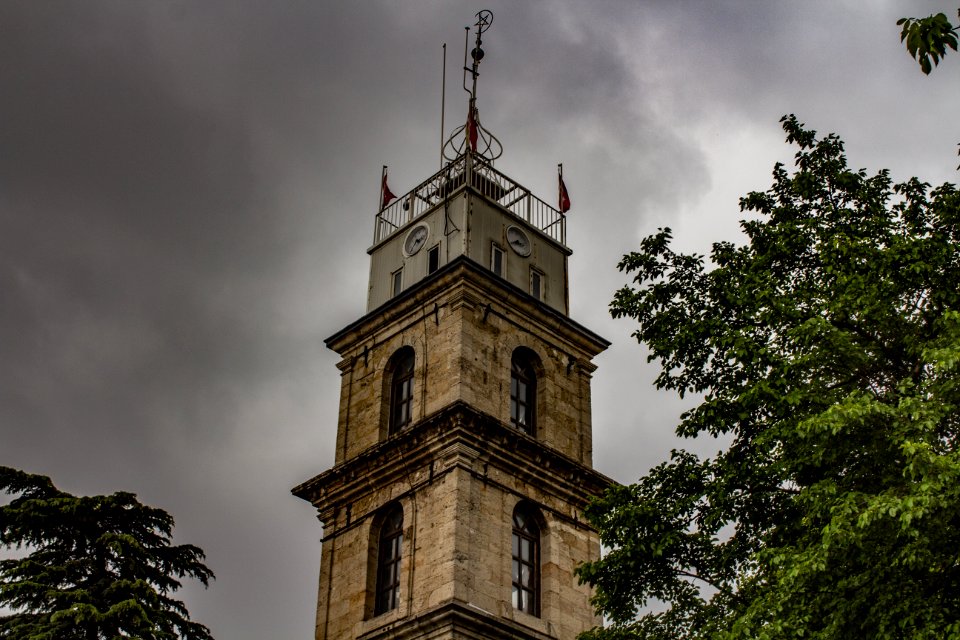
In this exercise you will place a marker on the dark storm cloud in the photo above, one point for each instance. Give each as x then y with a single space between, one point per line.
145 338
126 211
186 194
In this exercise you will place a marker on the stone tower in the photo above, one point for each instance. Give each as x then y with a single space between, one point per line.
463 455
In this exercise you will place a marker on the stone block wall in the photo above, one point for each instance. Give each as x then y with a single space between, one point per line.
459 470
464 332
456 548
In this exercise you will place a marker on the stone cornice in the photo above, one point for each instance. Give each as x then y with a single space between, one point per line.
457 620
456 436
436 289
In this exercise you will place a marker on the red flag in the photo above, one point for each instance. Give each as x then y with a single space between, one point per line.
385 192
472 128
564 197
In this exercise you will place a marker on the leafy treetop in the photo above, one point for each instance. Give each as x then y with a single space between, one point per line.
98 567
826 349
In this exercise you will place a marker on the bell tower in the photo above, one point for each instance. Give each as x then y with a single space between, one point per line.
463 455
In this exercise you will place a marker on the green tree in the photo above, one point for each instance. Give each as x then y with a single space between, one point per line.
98 567
826 349
927 39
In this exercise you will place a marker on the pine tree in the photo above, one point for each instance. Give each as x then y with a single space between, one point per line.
97 567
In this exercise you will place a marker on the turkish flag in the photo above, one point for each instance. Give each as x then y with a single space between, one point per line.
385 191
472 129
564 197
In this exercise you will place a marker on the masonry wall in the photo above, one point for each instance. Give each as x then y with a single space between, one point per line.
464 336
458 473
345 604
487 506
457 547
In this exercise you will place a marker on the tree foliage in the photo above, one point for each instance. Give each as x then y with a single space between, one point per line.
97 567
927 39
826 350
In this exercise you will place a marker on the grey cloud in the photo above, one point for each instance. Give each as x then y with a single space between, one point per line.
187 192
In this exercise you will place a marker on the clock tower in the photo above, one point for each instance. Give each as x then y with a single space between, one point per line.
463 454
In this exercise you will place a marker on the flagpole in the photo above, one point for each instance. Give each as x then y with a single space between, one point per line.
560 186
383 181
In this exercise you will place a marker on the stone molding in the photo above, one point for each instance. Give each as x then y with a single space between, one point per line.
456 436
445 288
456 620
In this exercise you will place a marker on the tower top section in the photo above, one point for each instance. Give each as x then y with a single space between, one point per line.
469 209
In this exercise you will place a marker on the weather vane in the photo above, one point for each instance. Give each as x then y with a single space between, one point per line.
471 135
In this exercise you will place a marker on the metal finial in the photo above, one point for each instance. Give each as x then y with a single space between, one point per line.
472 136
484 20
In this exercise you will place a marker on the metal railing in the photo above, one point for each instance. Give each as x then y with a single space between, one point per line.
484 179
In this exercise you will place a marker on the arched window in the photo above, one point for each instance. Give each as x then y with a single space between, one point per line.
526 560
523 391
389 551
401 389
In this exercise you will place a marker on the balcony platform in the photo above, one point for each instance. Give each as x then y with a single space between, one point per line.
486 181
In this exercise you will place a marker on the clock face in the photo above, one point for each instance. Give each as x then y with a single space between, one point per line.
518 241
415 239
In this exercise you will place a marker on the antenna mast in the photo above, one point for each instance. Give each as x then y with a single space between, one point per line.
443 100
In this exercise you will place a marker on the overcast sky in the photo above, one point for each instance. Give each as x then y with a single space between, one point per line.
187 192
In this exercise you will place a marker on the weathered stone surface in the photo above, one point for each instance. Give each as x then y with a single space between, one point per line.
460 469
464 326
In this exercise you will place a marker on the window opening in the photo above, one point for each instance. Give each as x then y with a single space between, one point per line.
390 547
536 284
401 390
433 259
526 561
496 259
523 393
397 282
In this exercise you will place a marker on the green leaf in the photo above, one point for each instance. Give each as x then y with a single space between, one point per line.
927 39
